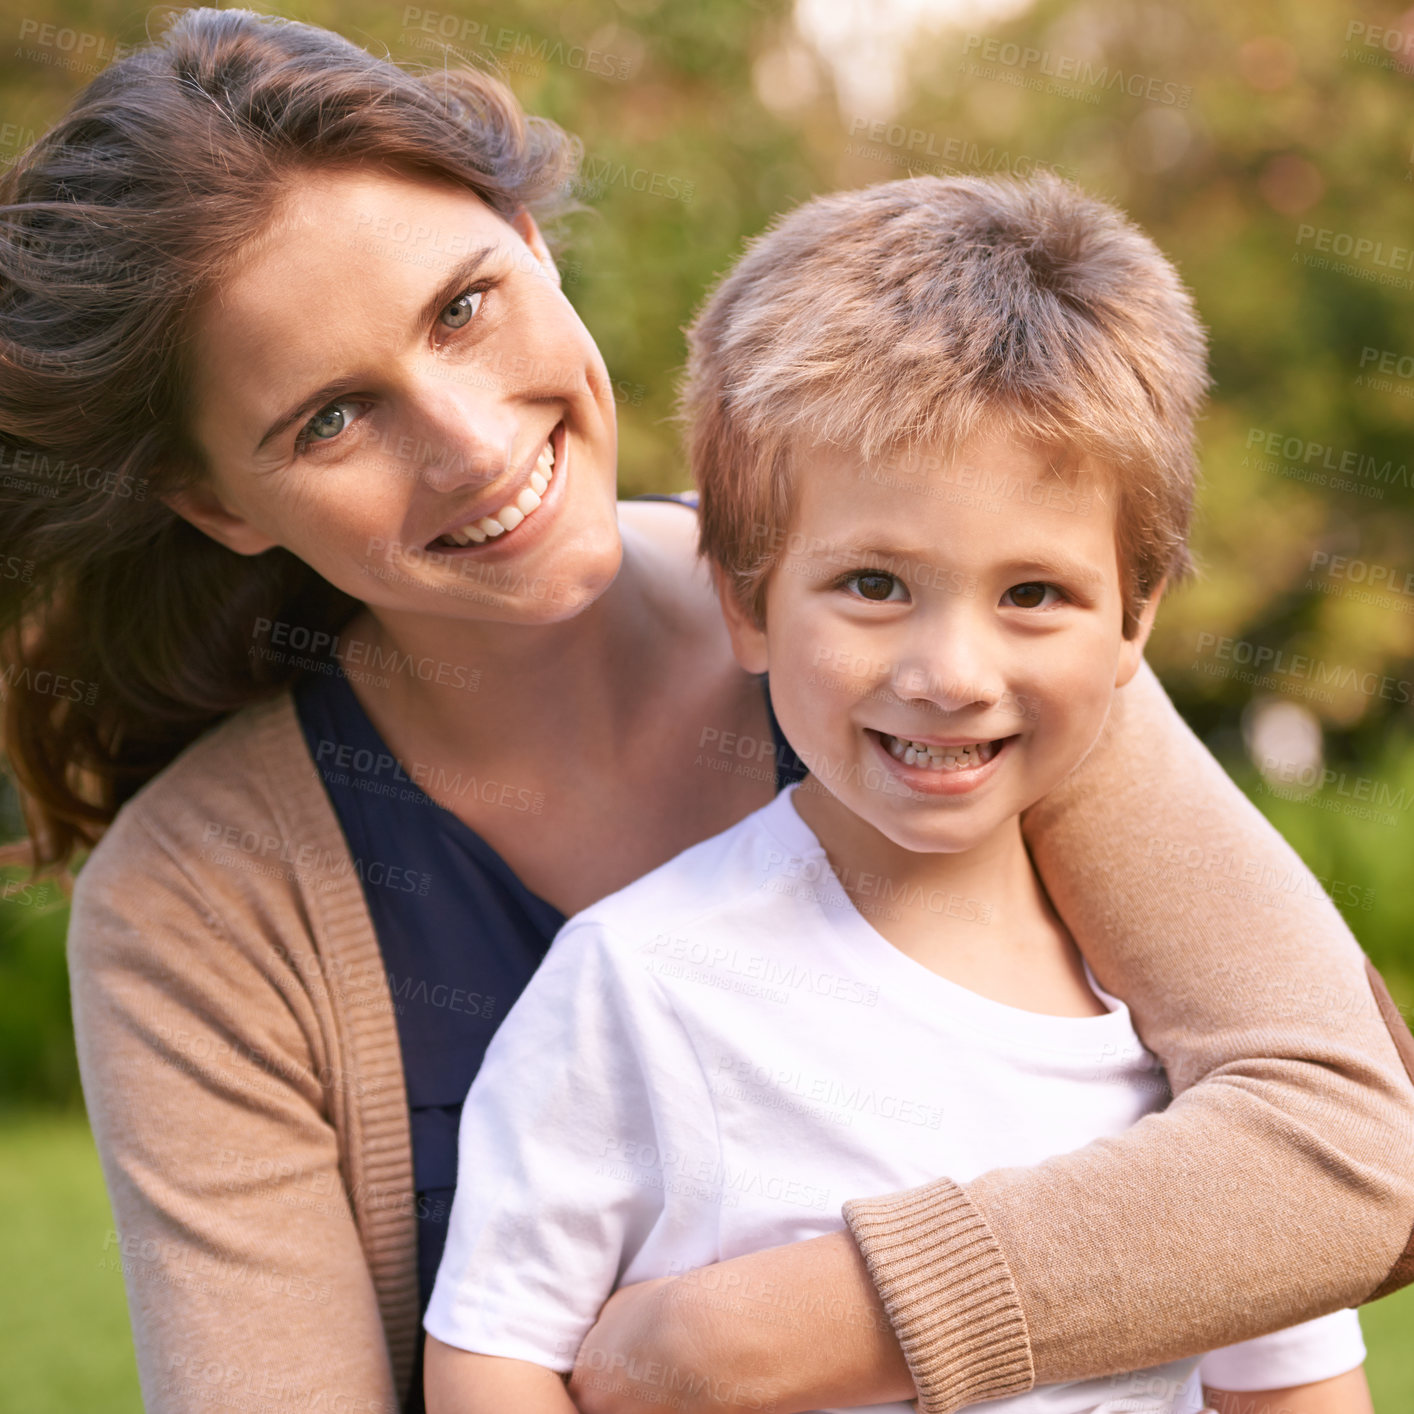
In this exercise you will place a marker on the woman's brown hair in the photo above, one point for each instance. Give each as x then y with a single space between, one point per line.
124 631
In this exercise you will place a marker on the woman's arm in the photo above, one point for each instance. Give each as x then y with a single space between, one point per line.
247 1283
1278 1186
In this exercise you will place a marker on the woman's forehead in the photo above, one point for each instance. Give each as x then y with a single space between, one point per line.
331 206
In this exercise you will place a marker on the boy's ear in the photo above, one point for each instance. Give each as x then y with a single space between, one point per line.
1131 650
748 637
199 504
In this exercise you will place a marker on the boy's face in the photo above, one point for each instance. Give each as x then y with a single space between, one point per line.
972 609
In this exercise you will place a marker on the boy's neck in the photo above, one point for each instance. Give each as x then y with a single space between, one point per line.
979 917
994 876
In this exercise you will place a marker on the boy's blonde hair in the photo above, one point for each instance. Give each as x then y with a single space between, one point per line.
917 313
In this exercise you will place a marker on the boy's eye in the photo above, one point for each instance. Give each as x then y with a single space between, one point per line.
1030 595
875 585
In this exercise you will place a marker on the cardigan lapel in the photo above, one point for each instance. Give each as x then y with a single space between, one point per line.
366 1089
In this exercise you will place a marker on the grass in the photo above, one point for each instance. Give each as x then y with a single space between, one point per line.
1388 1326
65 1344
64 1339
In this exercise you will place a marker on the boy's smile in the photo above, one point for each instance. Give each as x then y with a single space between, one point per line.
940 765
941 657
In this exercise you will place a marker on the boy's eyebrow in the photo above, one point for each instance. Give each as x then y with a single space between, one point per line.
457 278
1059 567
1077 572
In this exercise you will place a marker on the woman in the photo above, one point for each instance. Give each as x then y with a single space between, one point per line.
370 682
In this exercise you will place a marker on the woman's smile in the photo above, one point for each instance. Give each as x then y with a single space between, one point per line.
525 514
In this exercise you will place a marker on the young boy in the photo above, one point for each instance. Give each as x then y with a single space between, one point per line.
943 435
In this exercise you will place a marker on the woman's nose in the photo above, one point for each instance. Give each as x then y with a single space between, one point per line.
459 434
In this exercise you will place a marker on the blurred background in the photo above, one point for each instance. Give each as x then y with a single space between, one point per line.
1268 148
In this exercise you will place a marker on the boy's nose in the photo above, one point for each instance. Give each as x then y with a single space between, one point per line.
949 670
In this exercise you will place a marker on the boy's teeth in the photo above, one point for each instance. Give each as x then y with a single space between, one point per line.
511 514
939 758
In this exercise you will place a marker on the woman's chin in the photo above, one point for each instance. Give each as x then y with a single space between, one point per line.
543 595
581 570
557 577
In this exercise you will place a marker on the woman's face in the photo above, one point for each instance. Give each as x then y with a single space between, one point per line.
392 386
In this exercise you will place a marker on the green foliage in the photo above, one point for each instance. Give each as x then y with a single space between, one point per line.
36 1033
1355 835
1234 134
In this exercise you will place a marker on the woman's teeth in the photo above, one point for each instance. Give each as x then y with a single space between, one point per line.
940 758
511 514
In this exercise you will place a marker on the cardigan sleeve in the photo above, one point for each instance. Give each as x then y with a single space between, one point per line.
1276 1187
202 1072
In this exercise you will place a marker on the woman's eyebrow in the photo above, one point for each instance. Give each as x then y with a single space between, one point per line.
456 280
460 275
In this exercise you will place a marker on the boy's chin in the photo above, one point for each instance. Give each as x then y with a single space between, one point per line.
925 826
958 838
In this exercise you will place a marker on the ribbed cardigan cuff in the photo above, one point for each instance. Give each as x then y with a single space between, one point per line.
948 1292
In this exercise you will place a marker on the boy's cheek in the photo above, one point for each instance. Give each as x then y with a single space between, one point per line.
836 673
1065 733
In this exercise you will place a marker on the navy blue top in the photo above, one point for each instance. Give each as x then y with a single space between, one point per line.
459 933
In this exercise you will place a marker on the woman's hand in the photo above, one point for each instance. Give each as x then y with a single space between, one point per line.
789 1328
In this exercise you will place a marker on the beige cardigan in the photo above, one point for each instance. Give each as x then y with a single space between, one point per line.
240 1062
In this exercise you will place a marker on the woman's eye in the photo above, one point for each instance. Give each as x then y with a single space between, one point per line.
874 585
331 421
325 425
1030 596
460 311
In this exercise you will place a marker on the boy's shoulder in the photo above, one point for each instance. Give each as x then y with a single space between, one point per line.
721 879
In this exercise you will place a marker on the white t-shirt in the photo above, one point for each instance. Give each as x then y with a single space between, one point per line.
713 1059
